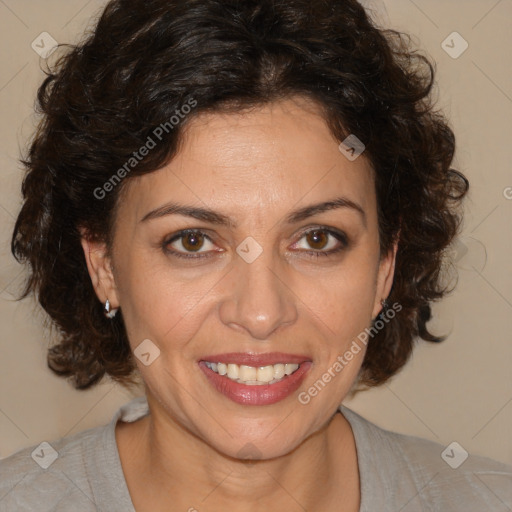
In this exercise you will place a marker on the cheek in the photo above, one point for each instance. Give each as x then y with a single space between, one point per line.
343 298
158 303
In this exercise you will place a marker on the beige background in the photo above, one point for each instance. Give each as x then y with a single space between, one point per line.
459 391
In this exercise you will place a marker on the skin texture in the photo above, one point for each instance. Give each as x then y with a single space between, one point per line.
255 167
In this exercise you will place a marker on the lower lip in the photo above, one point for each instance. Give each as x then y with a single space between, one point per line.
265 394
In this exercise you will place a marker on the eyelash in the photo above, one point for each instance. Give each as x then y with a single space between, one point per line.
338 235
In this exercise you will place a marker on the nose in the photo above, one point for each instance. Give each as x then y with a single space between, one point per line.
258 300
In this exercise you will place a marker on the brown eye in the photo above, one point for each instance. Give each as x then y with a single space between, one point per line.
187 242
192 241
322 242
317 239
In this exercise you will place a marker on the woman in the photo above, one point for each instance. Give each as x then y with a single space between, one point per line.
246 204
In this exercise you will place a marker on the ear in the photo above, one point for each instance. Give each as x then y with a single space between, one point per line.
100 269
385 277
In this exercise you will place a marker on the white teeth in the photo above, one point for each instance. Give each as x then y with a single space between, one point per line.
251 375
265 373
278 371
247 373
233 371
289 368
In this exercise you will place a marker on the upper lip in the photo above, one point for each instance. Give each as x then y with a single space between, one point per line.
250 359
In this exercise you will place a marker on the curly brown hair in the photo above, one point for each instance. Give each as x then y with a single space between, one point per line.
103 97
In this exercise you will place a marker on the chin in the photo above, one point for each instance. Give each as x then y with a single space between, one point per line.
252 440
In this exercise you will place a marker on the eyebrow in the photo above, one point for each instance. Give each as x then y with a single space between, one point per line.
214 217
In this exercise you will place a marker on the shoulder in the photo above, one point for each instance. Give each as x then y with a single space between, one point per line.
80 472
43 476
423 473
452 477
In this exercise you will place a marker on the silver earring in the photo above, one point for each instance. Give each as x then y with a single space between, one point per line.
385 304
108 311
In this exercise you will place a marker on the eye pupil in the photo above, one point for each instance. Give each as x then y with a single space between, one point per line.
192 241
317 237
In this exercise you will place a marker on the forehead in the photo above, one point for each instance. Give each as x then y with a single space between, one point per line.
278 155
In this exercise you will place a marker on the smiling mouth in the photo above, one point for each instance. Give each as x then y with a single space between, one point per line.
254 375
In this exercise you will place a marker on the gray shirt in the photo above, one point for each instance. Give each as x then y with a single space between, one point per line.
398 473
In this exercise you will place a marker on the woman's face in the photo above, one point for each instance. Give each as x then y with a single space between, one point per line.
253 278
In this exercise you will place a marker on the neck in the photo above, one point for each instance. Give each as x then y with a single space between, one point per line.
165 464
